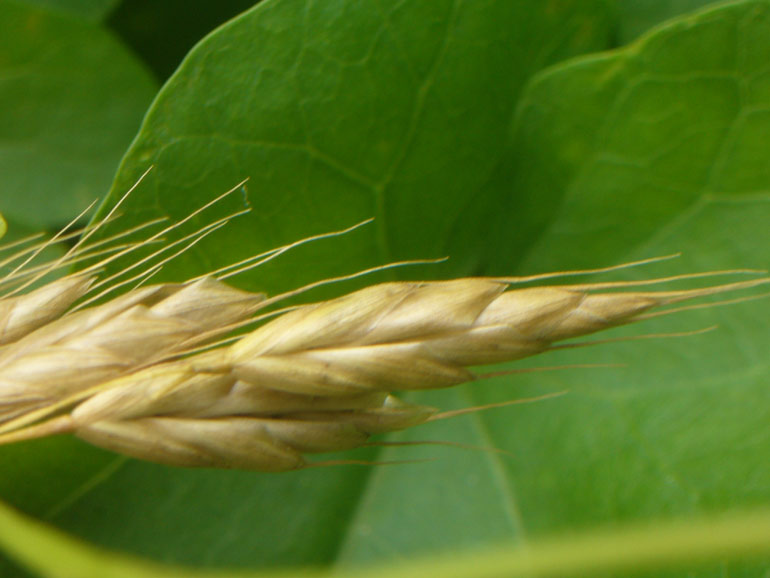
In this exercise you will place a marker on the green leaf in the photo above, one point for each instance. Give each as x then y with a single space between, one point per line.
649 131
644 151
341 111
71 98
679 429
91 10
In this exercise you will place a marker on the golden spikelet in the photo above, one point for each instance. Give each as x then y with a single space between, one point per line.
125 374
22 314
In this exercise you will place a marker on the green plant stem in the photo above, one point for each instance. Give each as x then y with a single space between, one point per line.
667 544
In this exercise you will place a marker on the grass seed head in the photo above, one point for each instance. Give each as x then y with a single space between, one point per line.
319 378
128 375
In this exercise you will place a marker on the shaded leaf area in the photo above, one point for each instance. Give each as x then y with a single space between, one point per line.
618 166
668 544
643 134
203 517
13 232
338 112
71 98
162 33
637 17
90 10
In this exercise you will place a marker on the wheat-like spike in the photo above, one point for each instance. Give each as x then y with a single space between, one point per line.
157 374
319 378
21 313
49 351
102 342
423 335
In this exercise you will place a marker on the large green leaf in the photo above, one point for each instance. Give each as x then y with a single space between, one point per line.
341 111
645 151
71 98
